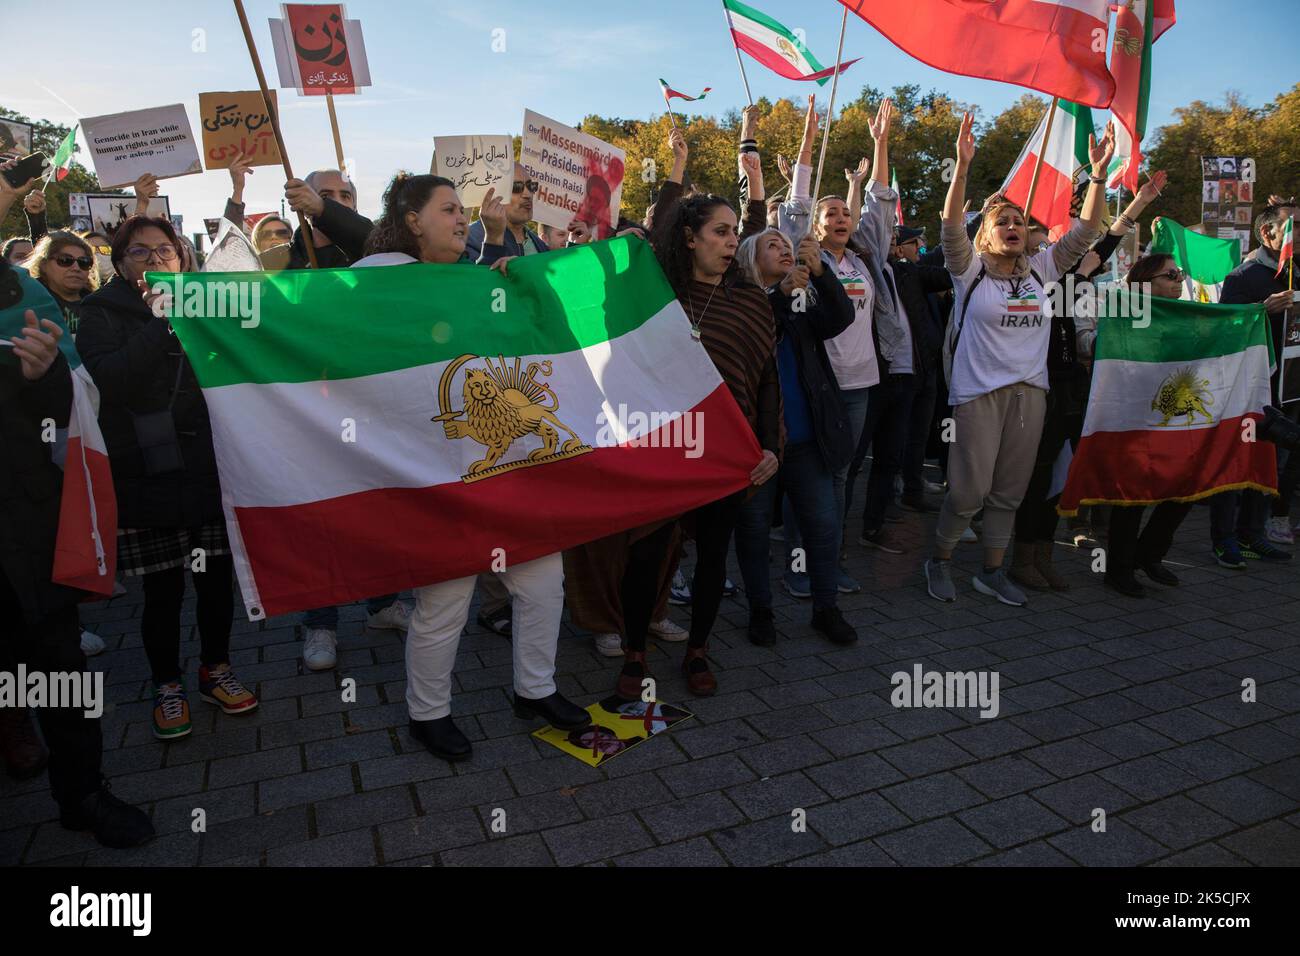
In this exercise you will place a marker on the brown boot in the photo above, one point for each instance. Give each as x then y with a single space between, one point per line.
699 681
630 677
25 754
1022 567
1043 562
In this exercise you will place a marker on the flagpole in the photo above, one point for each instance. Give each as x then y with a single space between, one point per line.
308 239
334 127
1038 160
739 62
830 112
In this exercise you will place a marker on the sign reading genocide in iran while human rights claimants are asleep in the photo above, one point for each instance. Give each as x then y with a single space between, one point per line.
578 175
125 146
234 123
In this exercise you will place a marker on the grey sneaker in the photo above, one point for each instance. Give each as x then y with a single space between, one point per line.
938 580
997 585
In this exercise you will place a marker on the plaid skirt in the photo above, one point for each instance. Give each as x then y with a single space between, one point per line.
146 550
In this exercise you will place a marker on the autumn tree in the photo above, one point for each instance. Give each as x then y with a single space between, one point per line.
46 138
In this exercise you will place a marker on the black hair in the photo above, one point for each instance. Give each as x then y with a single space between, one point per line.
1274 215
407 192
1147 268
669 239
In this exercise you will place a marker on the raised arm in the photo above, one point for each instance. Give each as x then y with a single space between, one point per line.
793 216
1072 246
957 248
878 212
1127 220
854 177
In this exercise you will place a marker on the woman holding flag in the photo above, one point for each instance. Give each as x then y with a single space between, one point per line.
996 353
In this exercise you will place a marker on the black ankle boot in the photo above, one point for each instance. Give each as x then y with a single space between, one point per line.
442 738
762 631
1160 574
1126 584
114 823
831 622
555 710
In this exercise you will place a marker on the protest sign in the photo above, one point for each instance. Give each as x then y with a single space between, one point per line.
125 146
475 164
15 138
1227 197
234 123
107 212
579 175
617 726
318 50
231 250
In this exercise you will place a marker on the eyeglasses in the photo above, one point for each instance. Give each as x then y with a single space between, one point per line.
66 261
144 253
532 186
1176 275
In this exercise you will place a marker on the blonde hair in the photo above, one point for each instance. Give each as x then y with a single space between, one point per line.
747 254
262 225
984 235
49 246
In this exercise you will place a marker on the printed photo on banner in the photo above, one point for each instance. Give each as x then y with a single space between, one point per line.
318 50
1227 167
125 146
106 213
1210 167
1210 191
1227 213
617 726
235 123
15 138
475 164
1245 191
1228 191
1243 215
580 176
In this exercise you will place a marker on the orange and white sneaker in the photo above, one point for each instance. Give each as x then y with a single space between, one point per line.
218 685
171 712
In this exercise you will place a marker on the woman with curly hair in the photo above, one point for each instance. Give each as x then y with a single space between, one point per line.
64 263
424 222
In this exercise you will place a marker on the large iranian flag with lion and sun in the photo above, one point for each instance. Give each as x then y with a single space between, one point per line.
385 428
1176 398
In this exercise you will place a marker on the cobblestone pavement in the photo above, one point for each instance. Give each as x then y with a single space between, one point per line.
1107 702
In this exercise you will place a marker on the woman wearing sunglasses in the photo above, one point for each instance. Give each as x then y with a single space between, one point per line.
155 424
64 263
1128 550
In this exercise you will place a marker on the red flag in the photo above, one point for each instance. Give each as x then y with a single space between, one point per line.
1057 47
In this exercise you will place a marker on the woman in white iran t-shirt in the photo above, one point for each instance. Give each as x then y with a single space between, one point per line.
997 341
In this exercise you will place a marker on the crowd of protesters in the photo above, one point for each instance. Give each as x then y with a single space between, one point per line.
846 346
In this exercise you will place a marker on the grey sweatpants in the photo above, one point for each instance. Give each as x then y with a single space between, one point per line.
990 462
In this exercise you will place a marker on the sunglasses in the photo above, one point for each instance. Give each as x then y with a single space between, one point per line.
102 250
281 233
66 261
1176 275
532 186
144 253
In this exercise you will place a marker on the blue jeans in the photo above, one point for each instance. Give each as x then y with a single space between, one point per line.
855 407
884 432
806 481
1238 514
328 617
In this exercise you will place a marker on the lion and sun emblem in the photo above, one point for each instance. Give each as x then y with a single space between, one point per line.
500 406
1183 393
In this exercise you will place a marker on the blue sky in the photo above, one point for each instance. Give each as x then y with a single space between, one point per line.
435 72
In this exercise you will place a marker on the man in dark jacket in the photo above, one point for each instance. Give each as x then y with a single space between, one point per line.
330 199
918 285
519 239
38 618
1237 518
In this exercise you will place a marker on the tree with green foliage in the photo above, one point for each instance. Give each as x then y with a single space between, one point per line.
46 138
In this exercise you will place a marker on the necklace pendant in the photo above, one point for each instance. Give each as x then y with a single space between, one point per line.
695 333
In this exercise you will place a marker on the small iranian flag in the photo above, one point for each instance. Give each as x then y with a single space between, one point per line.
1168 406
1067 151
1206 259
774 45
669 92
354 463
1138 24
62 161
898 202
1288 247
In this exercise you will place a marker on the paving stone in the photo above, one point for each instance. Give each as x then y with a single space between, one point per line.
465 790
1069 758
865 853
1205 855
855 818
923 757
1283 777
853 775
218 806
405 839
942 842
1178 822
1017 819
343 849
525 850
172 849
247 768
1076 799
1270 844
933 796
1149 778
348 749
711 739
621 794
1242 800
1120 845
992 739
781 756
695 852
1209 760
766 842
596 839
711 773
525 814
855 738
302 788
357 810
693 816
254 834
1031 854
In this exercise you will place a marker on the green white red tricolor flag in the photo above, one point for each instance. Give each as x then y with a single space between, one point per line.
85 545
1045 45
1138 24
669 92
592 348
775 45
898 202
1067 151
62 161
1288 247
1168 403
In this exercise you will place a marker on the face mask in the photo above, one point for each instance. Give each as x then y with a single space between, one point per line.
105 266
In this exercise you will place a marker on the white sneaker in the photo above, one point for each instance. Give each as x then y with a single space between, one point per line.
319 648
609 645
934 488
91 644
968 536
395 617
666 630
1279 531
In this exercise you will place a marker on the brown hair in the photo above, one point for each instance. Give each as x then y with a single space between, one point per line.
48 248
126 232
406 193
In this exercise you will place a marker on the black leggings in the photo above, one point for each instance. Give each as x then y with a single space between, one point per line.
160 621
714 524
640 585
1036 518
